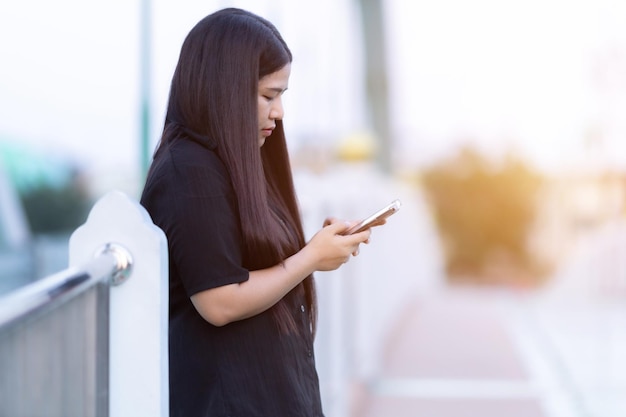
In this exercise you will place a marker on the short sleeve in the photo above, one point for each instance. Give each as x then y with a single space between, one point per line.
190 196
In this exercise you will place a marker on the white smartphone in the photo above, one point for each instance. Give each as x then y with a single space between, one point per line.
375 218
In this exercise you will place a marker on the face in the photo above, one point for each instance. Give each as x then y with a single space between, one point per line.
271 89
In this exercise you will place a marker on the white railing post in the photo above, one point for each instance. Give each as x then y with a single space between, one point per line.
359 303
138 322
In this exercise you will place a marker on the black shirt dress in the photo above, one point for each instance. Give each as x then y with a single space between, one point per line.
244 369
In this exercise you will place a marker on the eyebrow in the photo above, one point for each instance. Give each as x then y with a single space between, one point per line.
277 89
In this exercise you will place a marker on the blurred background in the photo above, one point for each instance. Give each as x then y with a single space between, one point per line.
499 288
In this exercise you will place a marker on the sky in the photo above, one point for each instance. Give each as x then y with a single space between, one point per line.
543 78
546 78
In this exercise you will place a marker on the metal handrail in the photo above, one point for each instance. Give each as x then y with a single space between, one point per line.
111 264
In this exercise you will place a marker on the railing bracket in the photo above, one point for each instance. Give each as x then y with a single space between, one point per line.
124 262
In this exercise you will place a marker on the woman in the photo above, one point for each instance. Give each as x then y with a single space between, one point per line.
242 298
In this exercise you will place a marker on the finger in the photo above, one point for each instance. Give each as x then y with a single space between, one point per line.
362 237
339 226
330 220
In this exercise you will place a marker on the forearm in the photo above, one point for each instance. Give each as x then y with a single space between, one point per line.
326 251
263 289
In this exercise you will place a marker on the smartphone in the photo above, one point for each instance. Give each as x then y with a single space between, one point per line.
375 218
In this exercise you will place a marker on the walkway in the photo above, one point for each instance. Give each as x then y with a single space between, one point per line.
451 355
464 352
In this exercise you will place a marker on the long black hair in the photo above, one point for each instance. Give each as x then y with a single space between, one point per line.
214 94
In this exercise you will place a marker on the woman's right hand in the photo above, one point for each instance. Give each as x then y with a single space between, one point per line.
331 249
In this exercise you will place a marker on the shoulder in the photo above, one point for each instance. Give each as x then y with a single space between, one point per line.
185 153
185 167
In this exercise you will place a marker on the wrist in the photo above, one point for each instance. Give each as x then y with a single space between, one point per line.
301 264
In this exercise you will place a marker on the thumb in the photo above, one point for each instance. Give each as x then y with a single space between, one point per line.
339 226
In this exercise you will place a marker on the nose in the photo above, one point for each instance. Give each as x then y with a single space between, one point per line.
277 112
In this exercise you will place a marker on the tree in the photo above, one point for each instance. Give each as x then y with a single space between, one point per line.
484 212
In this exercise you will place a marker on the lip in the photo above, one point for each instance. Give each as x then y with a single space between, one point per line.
267 131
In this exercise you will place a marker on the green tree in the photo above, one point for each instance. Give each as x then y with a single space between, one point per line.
55 209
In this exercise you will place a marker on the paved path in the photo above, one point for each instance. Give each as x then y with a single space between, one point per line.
451 355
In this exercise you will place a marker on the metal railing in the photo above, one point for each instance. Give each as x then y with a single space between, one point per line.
112 264
77 343
54 340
